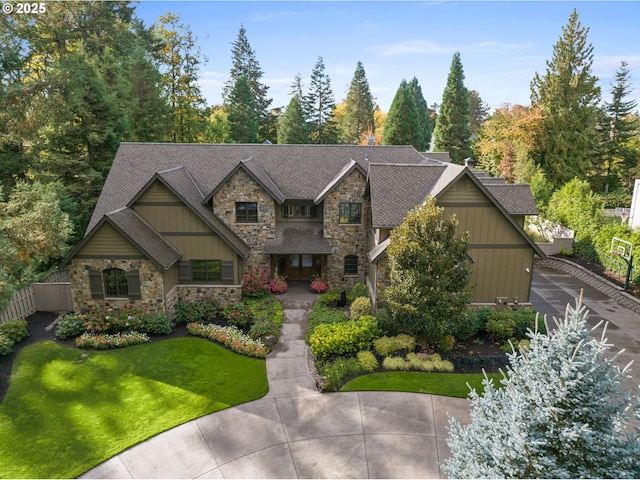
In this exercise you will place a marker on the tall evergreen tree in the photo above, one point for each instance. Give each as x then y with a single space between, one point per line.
319 104
422 141
620 125
479 110
292 126
403 122
358 112
242 114
452 132
179 57
245 64
569 95
559 413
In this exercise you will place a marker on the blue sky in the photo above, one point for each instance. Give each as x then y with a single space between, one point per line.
502 43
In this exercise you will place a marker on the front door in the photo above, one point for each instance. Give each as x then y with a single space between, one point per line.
302 267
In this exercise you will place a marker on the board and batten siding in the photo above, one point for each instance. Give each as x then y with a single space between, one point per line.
503 259
176 222
108 242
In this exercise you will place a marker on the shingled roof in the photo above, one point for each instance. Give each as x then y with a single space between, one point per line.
297 171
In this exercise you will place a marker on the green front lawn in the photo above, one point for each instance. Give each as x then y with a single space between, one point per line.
64 413
445 384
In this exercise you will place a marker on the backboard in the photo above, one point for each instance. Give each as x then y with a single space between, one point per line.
622 248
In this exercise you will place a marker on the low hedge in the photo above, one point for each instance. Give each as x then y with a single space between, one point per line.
344 337
106 341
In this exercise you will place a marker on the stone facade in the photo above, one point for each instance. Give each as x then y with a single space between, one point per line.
223 294
346 239
242 188
151 285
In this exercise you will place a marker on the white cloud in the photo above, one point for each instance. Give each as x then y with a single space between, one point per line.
411 47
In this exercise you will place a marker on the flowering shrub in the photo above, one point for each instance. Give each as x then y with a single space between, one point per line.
237 315
346 337
278 285
231 338
105 341
319 285
255 283
113 321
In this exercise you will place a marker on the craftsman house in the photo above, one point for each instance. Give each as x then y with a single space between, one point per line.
178 222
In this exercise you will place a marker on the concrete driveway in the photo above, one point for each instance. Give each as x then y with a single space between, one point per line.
552 290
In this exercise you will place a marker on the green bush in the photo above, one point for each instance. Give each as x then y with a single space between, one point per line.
5 345
385 346
264 327
100 320
358 290
343 338
70 326
386 323
159 324
14 329
447 342
395 363
341 368
368 360
237 315
525 320
199 311
501 325
470 323
327 298
360 307
429 363
321 315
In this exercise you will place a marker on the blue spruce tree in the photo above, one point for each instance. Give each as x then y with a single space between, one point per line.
559 413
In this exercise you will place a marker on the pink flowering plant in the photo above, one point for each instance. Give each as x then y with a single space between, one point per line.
278 285
105 341
319 285
230 337
255 283
109 320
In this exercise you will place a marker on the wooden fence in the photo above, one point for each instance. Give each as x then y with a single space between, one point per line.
52 295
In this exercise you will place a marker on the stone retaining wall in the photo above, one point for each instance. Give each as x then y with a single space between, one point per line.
604 286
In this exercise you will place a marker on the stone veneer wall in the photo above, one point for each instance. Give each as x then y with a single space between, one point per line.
602 285
346 239
223 294
242 188
151 285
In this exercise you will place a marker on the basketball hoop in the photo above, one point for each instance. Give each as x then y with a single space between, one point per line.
623 249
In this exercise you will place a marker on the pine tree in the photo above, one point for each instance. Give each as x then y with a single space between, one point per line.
245 64
569 95
403 122
292 126
319 104
558 414
620 126
358 112
452 132
422 141
242 114
179 57
479 112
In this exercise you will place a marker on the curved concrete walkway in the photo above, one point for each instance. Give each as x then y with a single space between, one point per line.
296 432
